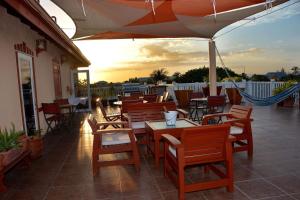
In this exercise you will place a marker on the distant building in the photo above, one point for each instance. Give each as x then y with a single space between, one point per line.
276 75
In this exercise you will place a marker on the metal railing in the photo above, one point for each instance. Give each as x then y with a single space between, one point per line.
256 89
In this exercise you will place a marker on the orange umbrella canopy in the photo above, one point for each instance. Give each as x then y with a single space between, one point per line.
120 19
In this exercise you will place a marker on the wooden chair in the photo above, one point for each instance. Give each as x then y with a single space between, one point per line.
52 115
109 117
137 119
183 98
239 119
234 96
204 145
112 141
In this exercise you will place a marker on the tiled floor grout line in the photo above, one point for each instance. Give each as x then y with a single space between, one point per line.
241 191
60 168
275 186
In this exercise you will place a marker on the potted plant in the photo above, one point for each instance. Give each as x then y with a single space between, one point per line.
12 144
36 144
288 102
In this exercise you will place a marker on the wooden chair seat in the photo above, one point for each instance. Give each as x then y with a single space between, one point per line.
138 125
115 138
236 130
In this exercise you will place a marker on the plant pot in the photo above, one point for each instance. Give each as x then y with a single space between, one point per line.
36 146
288 102
9 156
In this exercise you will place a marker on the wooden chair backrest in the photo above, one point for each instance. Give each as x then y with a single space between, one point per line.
240 112
102 109
216 103
128 103
183 97
205 143
206 91
197 95
151 106
159 99
165 96
93 124
50 108
61 101
130 98
145 115
234 96
150 98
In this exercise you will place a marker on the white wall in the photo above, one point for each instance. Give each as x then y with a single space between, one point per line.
13 31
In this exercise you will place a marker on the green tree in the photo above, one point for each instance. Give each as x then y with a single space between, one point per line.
159 75
176 76
201 75
295 70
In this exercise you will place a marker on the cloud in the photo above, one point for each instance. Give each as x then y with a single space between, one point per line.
245 52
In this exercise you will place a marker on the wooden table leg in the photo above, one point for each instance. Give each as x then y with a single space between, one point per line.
157 152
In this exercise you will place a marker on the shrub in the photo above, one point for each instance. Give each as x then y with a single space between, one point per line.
9 139
283 87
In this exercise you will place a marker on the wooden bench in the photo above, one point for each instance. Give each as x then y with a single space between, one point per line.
18 156
156 106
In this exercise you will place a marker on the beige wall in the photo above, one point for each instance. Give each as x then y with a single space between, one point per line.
12 31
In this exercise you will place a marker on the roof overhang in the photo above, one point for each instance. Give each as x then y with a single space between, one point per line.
122 19
39 19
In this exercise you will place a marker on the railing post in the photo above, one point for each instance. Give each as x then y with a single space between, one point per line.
272 86
249 87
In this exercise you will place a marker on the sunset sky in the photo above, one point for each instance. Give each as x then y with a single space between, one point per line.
267 44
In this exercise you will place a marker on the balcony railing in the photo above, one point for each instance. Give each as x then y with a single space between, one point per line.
256 89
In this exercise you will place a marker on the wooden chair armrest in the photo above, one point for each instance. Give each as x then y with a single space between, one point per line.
211 116
241 120
171 140
231 138
112 123
183 112
113 130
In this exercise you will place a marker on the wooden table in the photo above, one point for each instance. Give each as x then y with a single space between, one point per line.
119 103
198 103
156 128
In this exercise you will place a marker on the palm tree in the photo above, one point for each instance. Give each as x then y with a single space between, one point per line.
159 74
295 70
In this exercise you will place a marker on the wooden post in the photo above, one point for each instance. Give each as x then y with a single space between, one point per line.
212 68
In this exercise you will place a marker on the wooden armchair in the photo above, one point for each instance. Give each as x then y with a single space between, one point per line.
239 119
109 117
137 119
112 141
205 145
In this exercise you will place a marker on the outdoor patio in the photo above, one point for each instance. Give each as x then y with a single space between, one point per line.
64 171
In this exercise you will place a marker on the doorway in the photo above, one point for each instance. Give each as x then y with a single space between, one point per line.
81 89
27 93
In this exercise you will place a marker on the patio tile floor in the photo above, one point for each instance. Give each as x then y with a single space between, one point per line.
64 171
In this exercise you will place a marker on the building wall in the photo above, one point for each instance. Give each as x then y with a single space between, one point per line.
13 31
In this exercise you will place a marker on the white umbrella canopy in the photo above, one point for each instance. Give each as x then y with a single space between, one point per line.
121 19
